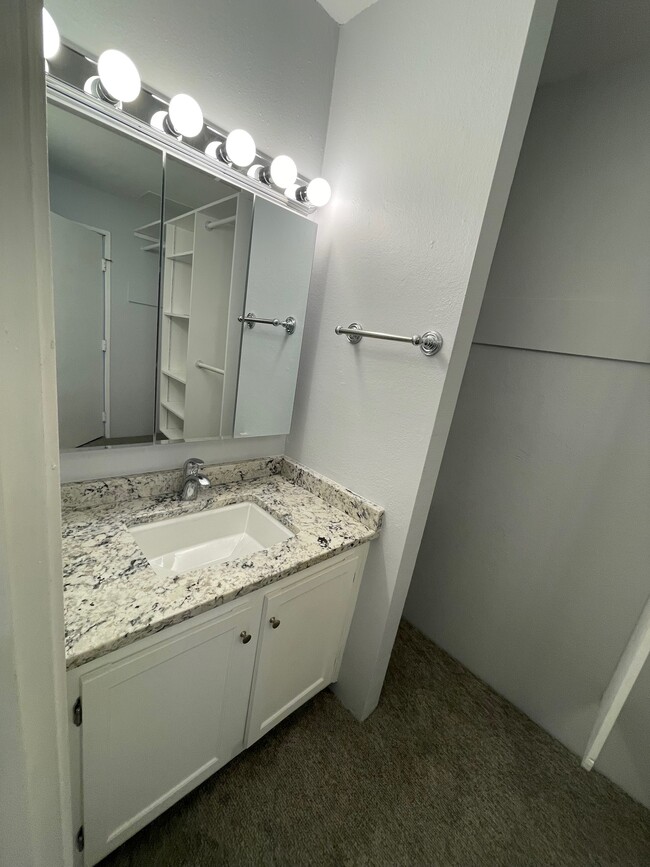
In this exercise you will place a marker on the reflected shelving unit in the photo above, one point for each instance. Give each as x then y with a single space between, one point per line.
150 233
204 272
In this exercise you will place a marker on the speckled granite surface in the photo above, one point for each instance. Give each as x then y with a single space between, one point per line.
98 492
112 596
336 495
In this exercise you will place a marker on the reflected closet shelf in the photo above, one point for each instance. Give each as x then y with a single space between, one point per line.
172 433
184 258
149 232
178 375
175 408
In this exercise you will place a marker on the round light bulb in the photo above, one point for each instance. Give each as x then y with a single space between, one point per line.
240 148
158 119
118 75
212 148
90 85
51 38
255 171
283 171
319 192
185 115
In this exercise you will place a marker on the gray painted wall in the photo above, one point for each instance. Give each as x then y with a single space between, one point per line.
134 275
582 191
421 154
534 564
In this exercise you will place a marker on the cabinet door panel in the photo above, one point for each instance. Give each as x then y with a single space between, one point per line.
297 658
160 722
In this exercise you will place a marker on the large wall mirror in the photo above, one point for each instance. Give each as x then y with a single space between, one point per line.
180 299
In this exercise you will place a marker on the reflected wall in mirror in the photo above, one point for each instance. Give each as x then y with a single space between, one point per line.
105 196
154 299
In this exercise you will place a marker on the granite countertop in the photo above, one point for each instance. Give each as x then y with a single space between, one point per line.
113 597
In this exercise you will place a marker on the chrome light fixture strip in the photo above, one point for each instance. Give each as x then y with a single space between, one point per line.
61 93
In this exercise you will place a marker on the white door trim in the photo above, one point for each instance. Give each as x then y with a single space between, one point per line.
624 677
108 253
107 262
35 815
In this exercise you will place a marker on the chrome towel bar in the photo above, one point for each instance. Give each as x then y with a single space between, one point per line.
251 320
430 342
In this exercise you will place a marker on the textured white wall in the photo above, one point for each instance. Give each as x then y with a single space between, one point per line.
265 66
533 568
423 94
582 190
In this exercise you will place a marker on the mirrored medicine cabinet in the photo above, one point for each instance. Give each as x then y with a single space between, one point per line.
159 269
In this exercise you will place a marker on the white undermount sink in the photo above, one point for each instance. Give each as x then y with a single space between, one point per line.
178 545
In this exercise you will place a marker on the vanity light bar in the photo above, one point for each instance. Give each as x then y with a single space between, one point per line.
72 97
117 82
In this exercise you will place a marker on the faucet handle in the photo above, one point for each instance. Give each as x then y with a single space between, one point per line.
192 466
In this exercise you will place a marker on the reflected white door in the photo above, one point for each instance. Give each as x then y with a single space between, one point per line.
79 326
279 271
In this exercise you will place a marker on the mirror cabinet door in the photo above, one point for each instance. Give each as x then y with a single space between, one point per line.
282 251
105 203
150 292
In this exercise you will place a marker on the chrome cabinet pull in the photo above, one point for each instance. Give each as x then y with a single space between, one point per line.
274 622
289 323
245 636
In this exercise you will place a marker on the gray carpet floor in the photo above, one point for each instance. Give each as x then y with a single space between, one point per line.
445 772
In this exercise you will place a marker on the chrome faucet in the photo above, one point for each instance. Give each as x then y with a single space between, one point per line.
193 479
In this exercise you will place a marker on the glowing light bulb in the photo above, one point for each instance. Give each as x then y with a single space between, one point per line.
185 115
119 76
51 38
212 148
240 148
158 120
283 171
318 192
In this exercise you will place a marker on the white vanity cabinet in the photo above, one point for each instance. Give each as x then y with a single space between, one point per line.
151 721
303 630
159 721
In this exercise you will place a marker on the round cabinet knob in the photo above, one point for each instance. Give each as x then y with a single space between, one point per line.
245 636
274 622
